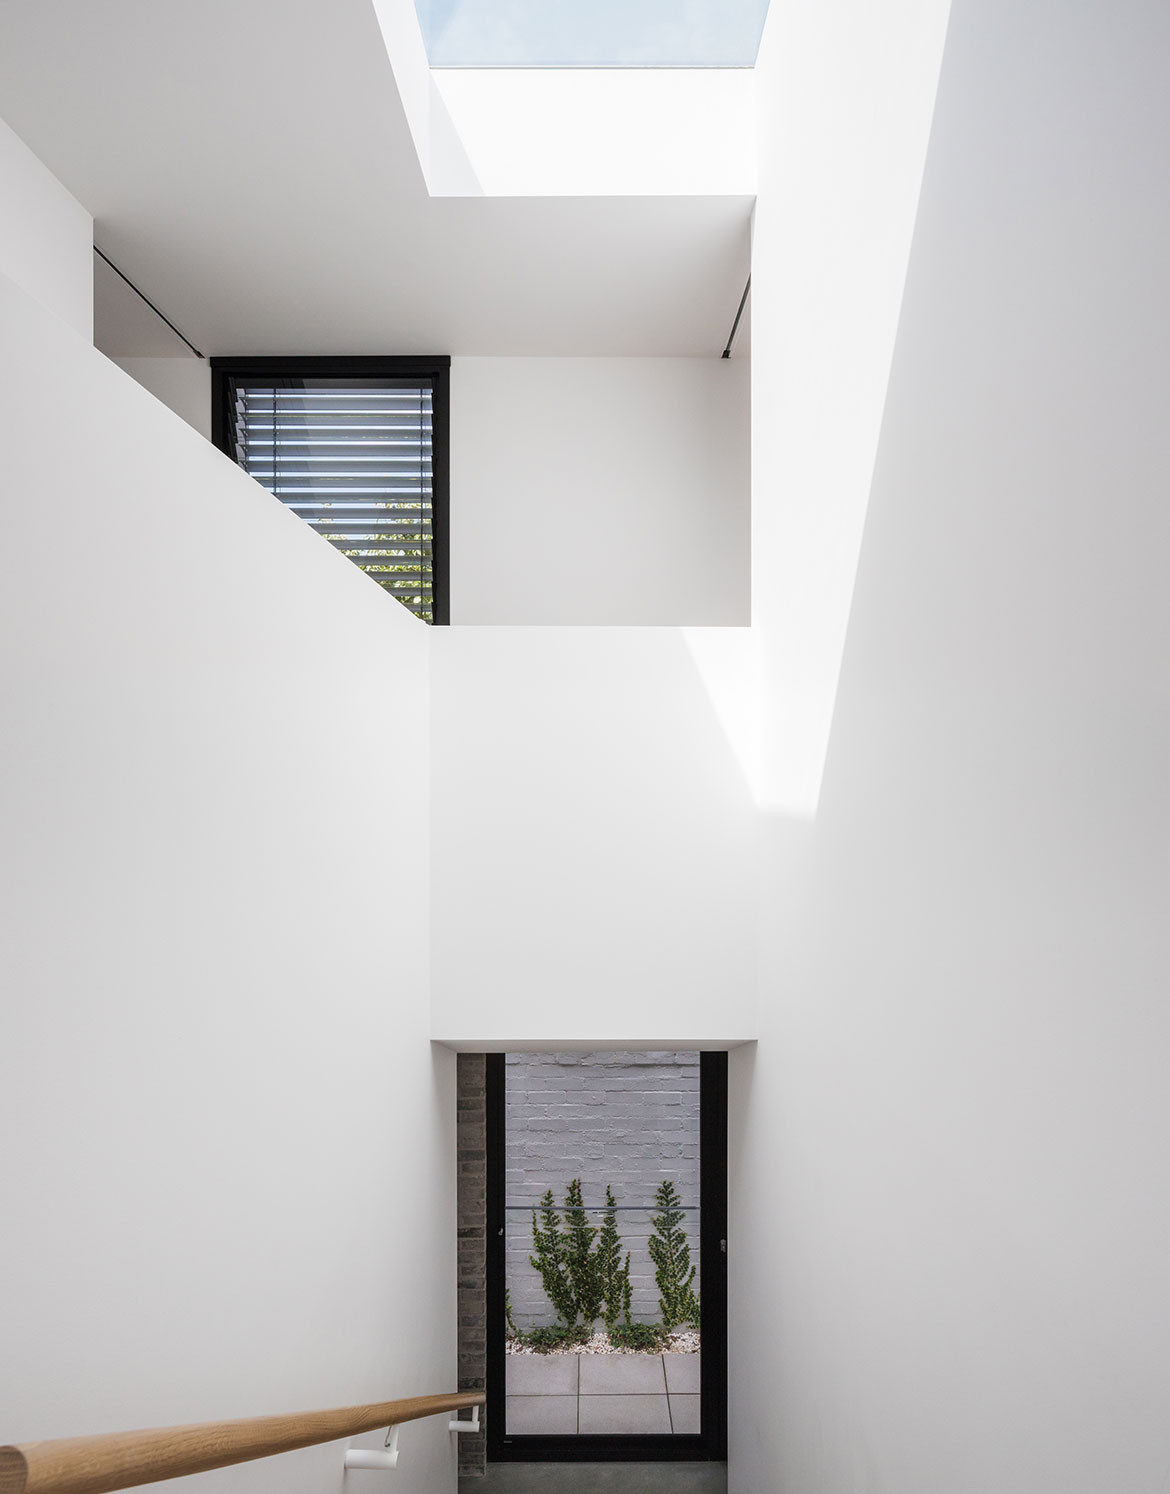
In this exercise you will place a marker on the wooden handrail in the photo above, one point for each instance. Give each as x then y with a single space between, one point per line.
119 1460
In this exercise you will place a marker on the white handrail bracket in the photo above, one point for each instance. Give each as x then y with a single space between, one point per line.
373 1461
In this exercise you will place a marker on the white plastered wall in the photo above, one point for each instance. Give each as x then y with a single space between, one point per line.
950 1222
46 236
593 844
600 491
182 384
583 490
227 1143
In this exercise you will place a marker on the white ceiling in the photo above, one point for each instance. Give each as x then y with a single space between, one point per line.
249 165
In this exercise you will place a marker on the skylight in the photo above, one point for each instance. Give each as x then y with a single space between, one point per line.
591 33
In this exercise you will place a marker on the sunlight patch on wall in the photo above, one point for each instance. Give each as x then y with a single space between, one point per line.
846 101
728 663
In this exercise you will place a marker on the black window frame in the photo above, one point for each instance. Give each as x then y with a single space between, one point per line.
710 1443
436 368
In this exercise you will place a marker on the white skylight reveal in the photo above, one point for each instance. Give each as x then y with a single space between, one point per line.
591 33
604 132
533 131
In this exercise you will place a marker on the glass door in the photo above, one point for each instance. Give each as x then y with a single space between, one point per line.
606 1255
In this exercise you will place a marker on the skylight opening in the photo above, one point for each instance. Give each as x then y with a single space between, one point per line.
591 33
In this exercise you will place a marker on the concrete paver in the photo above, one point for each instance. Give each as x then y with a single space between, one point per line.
684 1415
543 1374
542 1415
603 1394
683 1373
623 1414
622 1374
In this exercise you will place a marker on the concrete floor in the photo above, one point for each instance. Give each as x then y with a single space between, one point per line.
599 1478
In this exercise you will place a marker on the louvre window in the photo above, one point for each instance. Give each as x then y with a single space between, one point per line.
356 448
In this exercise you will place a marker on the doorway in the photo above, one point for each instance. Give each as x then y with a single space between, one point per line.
606 1256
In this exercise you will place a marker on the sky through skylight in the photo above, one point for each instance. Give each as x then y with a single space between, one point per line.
591 33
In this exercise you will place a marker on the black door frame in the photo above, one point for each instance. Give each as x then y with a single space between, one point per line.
711 1442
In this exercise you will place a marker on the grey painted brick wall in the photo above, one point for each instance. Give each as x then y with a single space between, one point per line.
626 1119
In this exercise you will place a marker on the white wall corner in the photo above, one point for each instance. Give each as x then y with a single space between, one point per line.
46 236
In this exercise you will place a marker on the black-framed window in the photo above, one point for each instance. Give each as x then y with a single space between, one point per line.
709 1441
357 448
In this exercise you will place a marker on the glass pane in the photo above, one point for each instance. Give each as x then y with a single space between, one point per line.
602 1244
592 33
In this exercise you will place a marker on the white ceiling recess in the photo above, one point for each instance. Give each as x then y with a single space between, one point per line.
248 163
